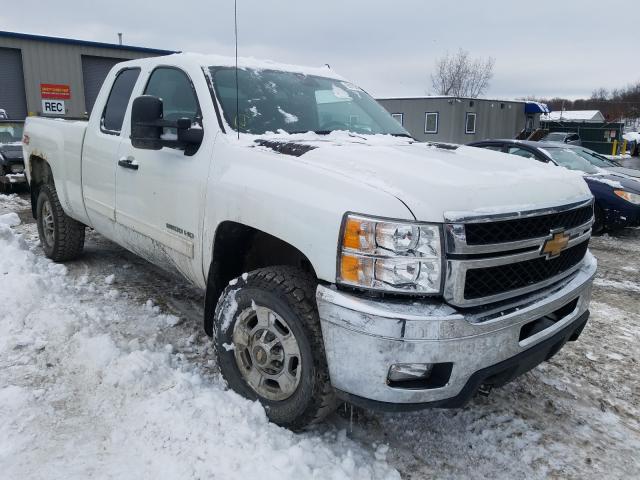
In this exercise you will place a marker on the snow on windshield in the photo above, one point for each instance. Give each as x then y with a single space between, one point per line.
288 117
292 102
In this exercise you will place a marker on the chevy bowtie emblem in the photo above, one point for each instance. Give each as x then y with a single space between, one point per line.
554 244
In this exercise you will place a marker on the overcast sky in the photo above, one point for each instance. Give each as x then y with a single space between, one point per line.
545 48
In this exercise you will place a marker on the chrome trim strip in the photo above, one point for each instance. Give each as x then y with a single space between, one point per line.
457 274
479 217
456 244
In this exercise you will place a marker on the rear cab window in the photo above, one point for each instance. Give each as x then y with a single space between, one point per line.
116 106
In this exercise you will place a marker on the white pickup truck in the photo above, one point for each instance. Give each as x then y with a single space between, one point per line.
341 259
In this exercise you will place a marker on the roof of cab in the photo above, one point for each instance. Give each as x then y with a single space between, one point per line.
201 60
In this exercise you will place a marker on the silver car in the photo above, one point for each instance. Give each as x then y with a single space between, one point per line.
570 138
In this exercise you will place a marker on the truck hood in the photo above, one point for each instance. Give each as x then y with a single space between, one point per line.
442 182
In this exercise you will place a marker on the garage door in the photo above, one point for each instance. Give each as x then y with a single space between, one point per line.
94 71
12 97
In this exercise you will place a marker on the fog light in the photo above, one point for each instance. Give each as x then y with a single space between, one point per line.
401 372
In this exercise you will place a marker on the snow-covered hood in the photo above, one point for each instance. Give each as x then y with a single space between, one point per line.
438 183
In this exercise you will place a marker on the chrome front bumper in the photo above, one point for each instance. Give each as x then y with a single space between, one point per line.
363 337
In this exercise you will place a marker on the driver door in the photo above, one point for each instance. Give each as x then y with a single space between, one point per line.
160 194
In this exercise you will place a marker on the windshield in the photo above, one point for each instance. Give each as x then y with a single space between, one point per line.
271 101
594 158
11 132
569 158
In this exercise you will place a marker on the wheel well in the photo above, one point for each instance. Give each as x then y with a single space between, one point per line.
239 248
40 174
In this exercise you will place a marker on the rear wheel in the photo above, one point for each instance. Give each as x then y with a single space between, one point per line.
270 348
61 236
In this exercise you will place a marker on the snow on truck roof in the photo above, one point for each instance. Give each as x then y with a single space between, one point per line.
205 60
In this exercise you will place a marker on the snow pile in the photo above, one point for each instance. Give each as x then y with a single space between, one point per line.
86 389
11 203
606 181
9 219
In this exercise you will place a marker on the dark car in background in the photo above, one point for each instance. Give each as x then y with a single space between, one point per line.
598 160
11 160
617 196
570 138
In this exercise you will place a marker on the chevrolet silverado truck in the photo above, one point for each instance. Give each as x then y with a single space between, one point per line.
341 259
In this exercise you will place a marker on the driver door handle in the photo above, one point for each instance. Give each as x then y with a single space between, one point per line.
128 162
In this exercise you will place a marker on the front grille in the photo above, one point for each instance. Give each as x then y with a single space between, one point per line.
488 281
525 228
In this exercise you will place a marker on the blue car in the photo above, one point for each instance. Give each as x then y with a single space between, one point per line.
617 196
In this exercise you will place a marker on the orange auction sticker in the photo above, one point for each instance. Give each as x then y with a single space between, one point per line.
55 91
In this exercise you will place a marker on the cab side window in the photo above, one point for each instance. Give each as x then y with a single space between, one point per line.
178 96
497 148
116 106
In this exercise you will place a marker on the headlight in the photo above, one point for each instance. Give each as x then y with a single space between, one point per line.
628 196
390 256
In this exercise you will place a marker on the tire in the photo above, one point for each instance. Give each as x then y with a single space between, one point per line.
287 294
61 236
598 223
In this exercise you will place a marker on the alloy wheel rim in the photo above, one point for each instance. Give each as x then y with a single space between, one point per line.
267 353
47 223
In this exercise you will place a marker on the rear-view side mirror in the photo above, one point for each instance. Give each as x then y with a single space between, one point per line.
146 122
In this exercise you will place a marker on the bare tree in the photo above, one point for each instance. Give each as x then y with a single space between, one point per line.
460 75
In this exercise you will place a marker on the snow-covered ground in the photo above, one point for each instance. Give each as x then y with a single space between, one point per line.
104 373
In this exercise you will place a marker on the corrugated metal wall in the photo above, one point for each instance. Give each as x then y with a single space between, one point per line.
12 97
94 71
59 63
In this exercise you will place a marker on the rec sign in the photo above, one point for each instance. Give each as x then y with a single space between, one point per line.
54 91
53 107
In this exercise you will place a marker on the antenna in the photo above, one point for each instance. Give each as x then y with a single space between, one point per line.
235 21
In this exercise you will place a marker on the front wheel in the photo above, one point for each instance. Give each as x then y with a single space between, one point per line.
61 236
269 345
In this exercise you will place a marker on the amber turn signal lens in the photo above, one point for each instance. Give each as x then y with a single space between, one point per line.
352 232
349 268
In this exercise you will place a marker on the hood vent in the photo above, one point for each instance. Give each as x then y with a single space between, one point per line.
286 148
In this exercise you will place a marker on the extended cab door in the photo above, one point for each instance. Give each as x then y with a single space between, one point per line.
161 194
101 149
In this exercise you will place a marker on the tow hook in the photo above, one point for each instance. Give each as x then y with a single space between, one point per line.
484 390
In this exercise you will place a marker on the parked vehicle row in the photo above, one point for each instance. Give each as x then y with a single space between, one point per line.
340 258
11 159
617 195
